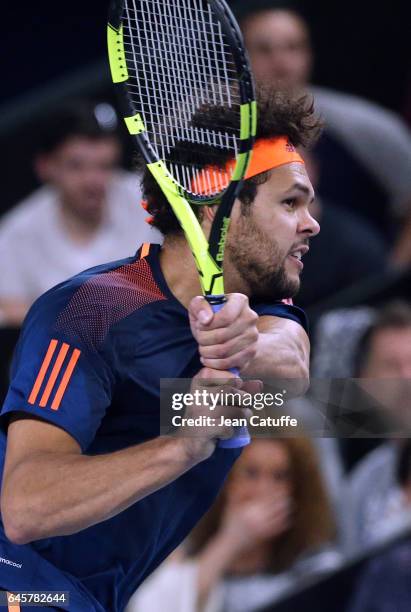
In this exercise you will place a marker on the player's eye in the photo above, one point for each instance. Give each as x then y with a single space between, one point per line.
290 202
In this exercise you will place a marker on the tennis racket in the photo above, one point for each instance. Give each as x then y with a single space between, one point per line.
188 97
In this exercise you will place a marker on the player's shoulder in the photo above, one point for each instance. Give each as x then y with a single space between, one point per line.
87 305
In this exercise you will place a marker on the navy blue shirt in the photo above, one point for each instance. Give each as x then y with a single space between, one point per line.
90 357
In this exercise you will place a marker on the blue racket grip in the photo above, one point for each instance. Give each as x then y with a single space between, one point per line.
242 437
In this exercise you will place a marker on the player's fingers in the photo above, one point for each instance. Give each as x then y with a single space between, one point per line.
227 431
236 305
240 360
206 337
252 386
235 412
231 347
200 311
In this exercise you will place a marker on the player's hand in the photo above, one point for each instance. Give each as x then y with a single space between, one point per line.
226 339
201 439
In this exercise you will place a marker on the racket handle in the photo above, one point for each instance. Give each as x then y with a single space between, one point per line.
241 437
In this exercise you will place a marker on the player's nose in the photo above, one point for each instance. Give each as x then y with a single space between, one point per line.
308 224
314 226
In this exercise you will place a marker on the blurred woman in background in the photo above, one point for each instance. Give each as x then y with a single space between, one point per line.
271 525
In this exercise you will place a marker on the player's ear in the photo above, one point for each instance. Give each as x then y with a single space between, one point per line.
209 213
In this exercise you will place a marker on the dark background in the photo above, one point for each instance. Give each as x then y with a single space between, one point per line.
362 46
51 49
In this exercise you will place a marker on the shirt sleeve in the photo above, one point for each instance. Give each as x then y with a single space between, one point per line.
57 377
282 310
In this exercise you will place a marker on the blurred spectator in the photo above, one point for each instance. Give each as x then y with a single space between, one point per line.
334 406
352 417
87 212
385 585
338 334
271 525
365 152
373 500
346 251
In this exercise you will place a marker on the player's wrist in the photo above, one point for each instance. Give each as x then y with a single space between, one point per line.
195 449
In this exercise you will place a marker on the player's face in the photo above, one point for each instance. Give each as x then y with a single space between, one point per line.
263 470
265 246
80 169
279 48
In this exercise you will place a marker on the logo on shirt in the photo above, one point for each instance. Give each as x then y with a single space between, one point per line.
54 375
8 562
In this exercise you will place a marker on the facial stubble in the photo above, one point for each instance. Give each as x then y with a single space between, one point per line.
259 262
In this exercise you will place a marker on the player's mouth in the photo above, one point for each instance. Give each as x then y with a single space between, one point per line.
297 254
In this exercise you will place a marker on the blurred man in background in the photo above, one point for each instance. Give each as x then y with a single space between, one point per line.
385 583
365 152
87 212
383 361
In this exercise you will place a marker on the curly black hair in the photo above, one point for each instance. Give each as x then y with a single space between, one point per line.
279 114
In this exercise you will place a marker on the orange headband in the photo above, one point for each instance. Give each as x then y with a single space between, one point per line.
268 153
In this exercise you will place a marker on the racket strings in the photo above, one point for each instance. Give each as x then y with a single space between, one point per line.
170 100
180 66
155 52
197 48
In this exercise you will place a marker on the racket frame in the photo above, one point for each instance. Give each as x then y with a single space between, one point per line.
208 255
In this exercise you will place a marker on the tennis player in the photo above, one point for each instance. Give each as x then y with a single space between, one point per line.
93 499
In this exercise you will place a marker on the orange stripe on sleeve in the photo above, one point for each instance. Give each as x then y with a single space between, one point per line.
54 373
145 249
44 367
65 380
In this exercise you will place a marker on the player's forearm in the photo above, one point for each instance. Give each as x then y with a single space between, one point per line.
283 352
51 495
